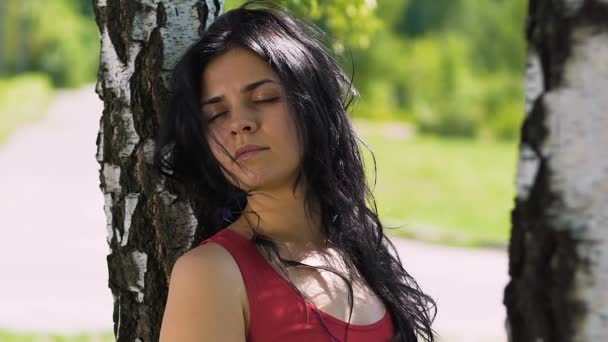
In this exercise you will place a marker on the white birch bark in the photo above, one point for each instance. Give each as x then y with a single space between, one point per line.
149 223
559 245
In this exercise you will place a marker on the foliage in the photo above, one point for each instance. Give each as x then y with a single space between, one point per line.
452 67
58 38
349 22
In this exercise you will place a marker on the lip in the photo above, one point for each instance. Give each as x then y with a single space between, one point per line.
245 151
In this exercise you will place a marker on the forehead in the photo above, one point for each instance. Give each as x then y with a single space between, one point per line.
234 69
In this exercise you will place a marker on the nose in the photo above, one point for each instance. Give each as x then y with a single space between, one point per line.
245 122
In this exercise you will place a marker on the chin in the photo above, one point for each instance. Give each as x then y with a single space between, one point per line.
250 182
265 178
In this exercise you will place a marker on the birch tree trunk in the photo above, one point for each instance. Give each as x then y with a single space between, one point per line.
559 244
150 222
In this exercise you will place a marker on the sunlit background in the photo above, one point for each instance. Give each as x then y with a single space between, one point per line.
441 104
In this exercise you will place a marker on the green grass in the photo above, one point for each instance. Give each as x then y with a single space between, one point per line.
23 337
447 190
23 99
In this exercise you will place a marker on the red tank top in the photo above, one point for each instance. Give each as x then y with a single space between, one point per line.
278 313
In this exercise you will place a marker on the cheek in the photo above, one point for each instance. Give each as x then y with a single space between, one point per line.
292 137
218 152
227 166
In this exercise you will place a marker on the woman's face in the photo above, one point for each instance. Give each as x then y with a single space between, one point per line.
245 104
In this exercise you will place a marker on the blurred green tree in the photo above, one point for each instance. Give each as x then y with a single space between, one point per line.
348 22
59 39
452 67
449 66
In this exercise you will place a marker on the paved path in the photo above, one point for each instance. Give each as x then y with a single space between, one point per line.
467 285
53 249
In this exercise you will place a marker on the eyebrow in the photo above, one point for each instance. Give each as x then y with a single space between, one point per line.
245 89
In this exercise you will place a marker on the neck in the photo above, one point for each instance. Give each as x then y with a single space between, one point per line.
283 218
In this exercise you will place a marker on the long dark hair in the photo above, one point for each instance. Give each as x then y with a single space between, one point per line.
320 94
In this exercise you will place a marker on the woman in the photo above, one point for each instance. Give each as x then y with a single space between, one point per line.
257 124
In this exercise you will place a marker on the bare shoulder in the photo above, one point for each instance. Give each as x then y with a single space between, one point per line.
205 298
208 257
206 266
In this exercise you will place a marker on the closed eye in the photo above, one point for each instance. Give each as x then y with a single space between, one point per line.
270 100
216 116
267 100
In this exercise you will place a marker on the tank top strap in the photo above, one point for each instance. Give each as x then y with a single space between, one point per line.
250 262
